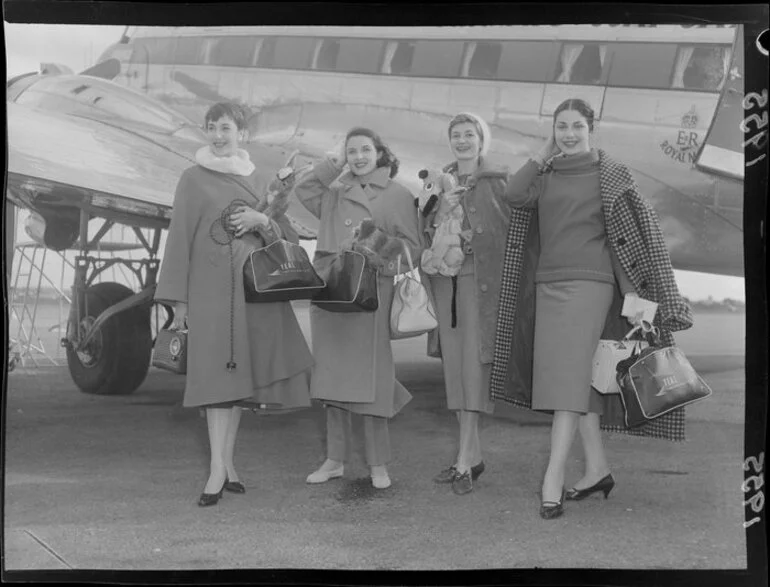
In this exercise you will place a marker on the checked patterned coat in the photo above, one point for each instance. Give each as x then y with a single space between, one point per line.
634 234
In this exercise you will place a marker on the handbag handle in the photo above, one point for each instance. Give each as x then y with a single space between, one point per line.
408 258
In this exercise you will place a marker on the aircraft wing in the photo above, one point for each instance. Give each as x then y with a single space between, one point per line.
59 163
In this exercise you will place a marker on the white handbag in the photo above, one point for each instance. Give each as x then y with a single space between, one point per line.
607 356
411 312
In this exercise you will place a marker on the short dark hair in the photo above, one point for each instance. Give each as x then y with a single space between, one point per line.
386 157
578 105
237 112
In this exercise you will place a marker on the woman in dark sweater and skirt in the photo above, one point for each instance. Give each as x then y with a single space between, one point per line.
598 238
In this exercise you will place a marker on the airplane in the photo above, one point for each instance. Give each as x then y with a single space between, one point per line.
110 143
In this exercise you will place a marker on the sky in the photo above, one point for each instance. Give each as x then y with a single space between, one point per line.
78 47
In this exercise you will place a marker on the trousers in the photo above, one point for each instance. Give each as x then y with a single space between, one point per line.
339 430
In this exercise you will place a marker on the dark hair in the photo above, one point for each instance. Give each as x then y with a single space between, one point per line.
237 112
578 105
386 157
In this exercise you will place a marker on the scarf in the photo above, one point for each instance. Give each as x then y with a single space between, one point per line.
238 164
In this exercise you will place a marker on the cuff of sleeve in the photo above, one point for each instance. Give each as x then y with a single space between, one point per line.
327 172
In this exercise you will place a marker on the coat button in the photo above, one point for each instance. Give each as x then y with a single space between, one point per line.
391 265
479 230
621 241
643 285
348 222
484 287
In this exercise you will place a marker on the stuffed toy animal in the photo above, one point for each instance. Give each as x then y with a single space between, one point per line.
375 244
278 192
445 255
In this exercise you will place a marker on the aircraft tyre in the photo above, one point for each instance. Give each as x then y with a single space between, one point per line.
116 360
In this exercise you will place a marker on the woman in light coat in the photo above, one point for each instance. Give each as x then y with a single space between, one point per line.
599 240
354 371
466 304
238 354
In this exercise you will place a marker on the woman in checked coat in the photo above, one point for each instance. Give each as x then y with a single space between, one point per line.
599 239
354 371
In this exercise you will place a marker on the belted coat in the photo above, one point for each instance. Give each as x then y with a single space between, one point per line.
634 235
488 215
354 367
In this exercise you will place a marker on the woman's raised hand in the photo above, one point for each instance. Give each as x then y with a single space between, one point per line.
246 219
337 155
547 151
452 198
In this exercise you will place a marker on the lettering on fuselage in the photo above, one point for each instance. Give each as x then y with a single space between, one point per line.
685 147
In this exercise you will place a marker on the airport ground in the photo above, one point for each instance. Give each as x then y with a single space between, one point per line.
112 482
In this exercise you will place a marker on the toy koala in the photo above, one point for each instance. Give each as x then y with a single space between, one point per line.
375 244
445 255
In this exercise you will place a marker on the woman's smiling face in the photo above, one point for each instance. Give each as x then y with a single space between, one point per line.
465 141
571 132
224 136
361 155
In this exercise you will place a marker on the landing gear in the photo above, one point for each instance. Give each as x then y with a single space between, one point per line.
116 359
109 332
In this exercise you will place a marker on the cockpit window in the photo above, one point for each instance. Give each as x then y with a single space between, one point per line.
701 67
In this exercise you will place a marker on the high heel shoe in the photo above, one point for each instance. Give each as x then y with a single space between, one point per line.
234 486
207 499
605 485
448 474
552 509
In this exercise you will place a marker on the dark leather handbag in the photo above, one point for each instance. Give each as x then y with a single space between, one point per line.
351 282
170 351
656 381
279 272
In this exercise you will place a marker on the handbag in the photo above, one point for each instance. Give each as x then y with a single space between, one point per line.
351 282
607 355
170 351
656 381
411 311
279 272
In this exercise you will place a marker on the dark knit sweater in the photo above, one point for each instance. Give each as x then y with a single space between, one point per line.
573 241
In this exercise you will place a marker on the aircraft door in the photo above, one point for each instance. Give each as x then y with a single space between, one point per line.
722 149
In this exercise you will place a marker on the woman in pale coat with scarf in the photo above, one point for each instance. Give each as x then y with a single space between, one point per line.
599 240
238 354
354 370
466 304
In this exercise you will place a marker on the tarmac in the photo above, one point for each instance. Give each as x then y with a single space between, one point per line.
96 482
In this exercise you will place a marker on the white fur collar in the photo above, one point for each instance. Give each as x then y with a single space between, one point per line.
238 164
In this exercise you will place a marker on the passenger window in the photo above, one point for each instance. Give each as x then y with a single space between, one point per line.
359 55
399 56
581 63
701 68
233 51
189 51
483 60
437 58
327 54
642 65
266 55
293 52
530 61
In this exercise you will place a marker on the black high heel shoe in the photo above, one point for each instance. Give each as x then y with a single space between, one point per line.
552 509
234 486
207 499
605 485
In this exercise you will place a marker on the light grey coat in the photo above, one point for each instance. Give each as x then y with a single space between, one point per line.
354 367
